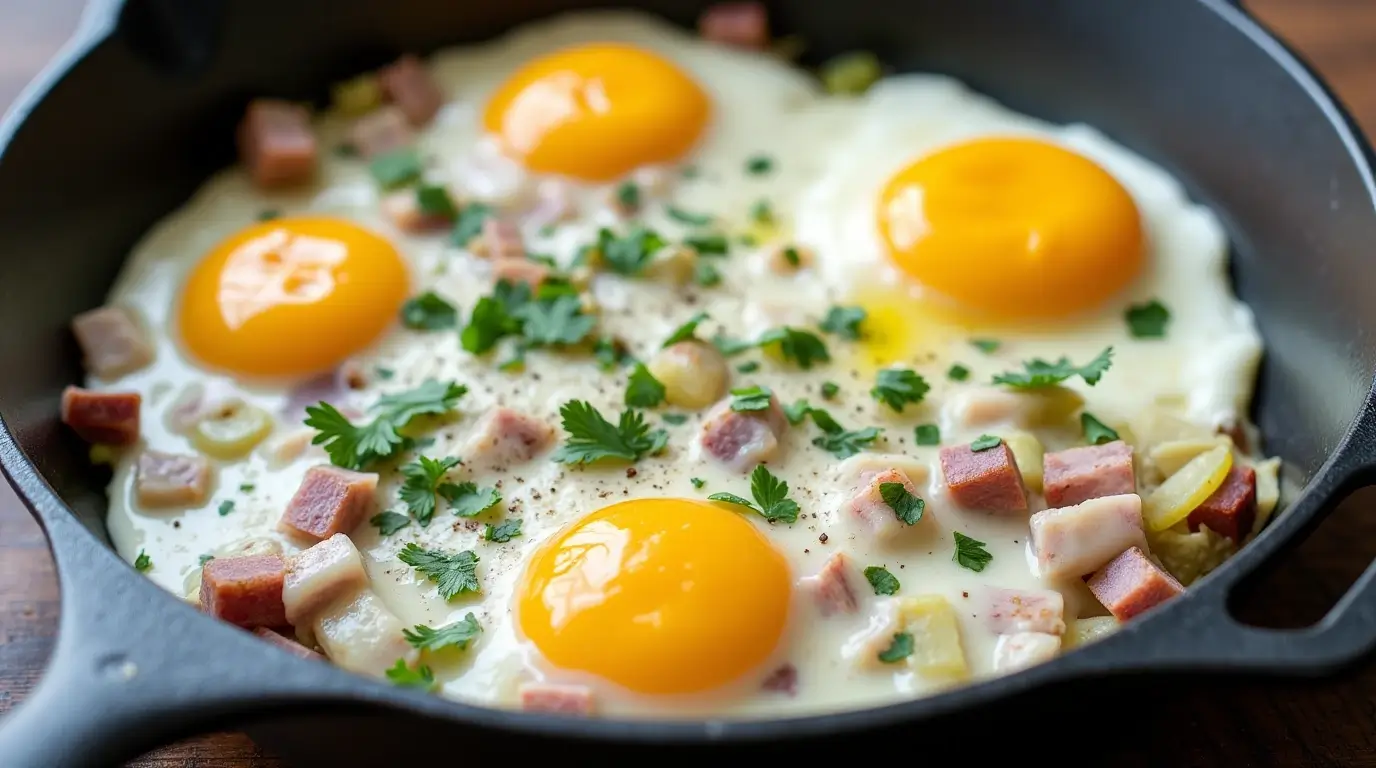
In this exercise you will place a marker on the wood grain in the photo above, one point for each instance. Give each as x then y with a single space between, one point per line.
1255 724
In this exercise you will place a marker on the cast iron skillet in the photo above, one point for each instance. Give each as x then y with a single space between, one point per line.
140 108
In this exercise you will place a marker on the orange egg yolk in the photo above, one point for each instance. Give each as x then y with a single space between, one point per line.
661 596
597 112
1012 227
291 296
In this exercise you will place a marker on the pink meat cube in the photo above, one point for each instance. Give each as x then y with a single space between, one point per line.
742 441
1007 611
1131 583
276 143
830 589
1089 472
986 480
407 84
107 418
245 591
112 342
501 240
287 644
1073 541
520 271
330 500
170 480
739 25
782 680
557 699
505 437
1230 510
381 132
868 507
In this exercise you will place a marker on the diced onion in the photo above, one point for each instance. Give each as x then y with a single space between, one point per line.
1175 499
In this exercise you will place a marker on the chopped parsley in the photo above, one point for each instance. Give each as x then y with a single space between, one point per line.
554 317
456 635
675 419
801 347
731 347
203 559
798 411
388 523
424 478
791 256
842 443
556 322
353 446
708 245
758 165
830 389
927 434
687 217
906 507
504 531
246 487
970 553
748 399
468 500
143 563
429 312
1039 373
900 648
629 253
628 195
268 214
884 583
611 353
706 275
985 442
749 366
593 438
697 482
958 372
226 507
382 373
987 346
1096 432
897 387
434 200
405 677
495 317
455 574
469 224
771 497
396 168
844 322
685 332
761 212
1147 321
643 390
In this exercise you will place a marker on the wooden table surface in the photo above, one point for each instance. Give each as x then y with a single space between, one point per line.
1261 724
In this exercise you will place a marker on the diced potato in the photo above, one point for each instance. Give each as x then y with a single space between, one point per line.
1152 426
694 374
1176 498
1188 556
1085 631
358 96
233 432
1027 452
1170 456
1046 407
937 651
673 264
851 74
1268 490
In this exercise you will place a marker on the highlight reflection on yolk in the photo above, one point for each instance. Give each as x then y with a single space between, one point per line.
597 112
291 296
658 595
1012 227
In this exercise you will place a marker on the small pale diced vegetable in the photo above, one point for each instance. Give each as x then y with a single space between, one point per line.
1027 453
356 96
1189 556
1045 407
1153 426
1170 456
1176 498
231 433
1268 491
937 651
673 264
851 74
1085 631
694 374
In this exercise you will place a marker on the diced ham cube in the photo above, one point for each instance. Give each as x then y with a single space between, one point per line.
1074 541
112 342
276 143
171 480
868 508
739 25
1230 510
381 132
407 84
106 418
500 240
986 480
1089 472
287 644
362 635
556 699
742 441
320 574
403 210
1131 583
830 589
782 680
1008 611
330 500
506 436
245 591
1021 650
521 271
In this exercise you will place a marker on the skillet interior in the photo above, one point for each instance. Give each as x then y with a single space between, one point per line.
132 131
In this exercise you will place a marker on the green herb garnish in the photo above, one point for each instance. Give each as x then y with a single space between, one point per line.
749 399
971 553
758 165
830 389
906 506
629 253
801 347
468 500
143 563
593 438
706 275
708 245
628 195
643 390
433 200
1147 321
428 312
884 583
396 168
675 419
927 434
456 635
844 322
453 573
987 346
749 366
771 497
388 523
985 442
1096 432
423 479
470 222
900 648
504 531
851 74
761 212
958 372
356 446
555 322
226 507
688 218
1039 373
685 332
697 482
405 677
897 387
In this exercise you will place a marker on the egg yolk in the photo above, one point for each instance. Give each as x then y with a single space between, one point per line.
597 112
291 296
1012 227
661 596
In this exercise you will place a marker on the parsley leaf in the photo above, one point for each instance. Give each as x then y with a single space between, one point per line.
845 444
592 437
987 346
750 399
971 553
762 213
423 478
884 583
495 317
896 387
685 332
611 353
706 275
434 200
246 487
428 312
708 245
628 195
927 434
396 168
675 419
405 677
844 322
958 372
226 507
1096 432
457 635
354 447
697 482
203 559
796 412
628 254
906 507
388 523
504 531
900 648
268 214
689 218
771 497
985 442
556 322
1039 373
731 347
830 389
801 347
643 390
470 223
1147 321
468 500
758 165
454 573
143 563
749 366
